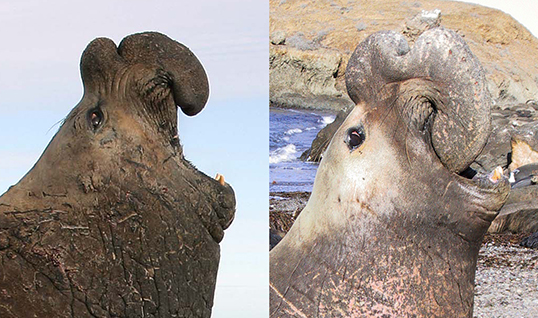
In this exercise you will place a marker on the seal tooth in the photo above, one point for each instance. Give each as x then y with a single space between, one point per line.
496 175
220 178
512 178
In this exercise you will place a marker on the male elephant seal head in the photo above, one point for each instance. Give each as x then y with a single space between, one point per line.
391 228
112 219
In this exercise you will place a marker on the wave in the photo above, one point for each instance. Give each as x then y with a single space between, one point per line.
293 131
325 120
286 153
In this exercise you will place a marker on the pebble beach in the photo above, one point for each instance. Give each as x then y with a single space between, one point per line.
506 278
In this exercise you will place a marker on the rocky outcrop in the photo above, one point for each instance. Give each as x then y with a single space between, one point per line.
306 78
311 42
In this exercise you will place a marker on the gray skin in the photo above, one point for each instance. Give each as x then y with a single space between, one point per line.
525 175
530 241
113 221
391 229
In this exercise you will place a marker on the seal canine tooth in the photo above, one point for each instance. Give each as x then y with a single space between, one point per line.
496 175
512 178
220 178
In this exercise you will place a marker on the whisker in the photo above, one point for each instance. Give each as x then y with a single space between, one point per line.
59 122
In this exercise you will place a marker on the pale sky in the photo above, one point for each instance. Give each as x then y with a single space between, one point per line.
40 83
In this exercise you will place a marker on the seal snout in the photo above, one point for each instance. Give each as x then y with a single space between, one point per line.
223 208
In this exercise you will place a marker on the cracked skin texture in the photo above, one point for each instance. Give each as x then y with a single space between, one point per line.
391 229
113 221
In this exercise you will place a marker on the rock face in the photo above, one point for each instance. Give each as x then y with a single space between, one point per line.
113 221
310 44
304 78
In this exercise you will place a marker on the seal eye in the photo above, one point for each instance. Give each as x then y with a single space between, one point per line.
95 118
355 137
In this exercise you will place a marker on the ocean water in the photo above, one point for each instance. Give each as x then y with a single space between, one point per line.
291 132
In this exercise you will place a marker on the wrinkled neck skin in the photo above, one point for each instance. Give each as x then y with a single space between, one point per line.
388 231
117 220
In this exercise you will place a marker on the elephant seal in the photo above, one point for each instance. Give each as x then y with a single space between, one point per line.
524 176
530 241
113 221
520 212
392 229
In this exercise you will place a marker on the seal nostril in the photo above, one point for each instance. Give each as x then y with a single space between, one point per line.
355 137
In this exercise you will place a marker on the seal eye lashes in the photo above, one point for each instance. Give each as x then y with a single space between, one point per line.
355 137
95 118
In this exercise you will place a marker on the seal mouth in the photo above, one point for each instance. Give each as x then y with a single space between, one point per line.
213 199
225 211
488 191
216 204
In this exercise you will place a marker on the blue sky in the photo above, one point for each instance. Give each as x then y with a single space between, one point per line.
40 83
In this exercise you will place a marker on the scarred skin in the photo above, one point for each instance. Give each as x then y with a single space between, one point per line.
391 229
112 221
